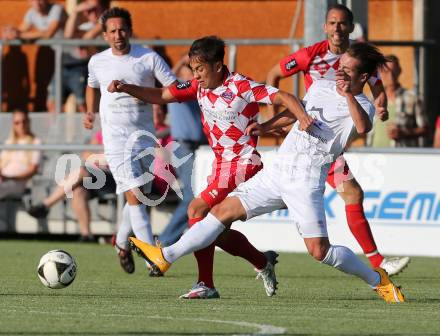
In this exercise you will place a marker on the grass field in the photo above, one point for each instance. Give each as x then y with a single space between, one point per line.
312 298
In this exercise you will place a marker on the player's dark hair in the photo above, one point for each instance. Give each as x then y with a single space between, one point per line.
369 56
340 8
116 12
209 49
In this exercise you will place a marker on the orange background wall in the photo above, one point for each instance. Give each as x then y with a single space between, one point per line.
388 20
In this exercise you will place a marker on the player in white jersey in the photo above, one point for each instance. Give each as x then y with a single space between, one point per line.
127 123
320 61
296 178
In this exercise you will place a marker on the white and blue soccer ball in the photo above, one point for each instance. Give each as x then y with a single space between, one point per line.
57 269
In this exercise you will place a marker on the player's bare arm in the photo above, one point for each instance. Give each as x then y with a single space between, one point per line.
146 94
273 79
380 100
295 107
93 96
358 114
271 126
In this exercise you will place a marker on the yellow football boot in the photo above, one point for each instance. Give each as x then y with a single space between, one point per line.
152 254
386 289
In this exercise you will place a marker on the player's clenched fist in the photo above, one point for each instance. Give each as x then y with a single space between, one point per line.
88 120
115 86
342 82
306 122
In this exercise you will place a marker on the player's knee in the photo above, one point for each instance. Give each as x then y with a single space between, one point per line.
197 209
318 251
226 212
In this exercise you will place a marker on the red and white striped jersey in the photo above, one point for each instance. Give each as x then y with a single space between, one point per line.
226 112
316 62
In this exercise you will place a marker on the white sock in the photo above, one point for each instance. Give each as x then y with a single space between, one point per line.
140 223
345 260
199 236
124 230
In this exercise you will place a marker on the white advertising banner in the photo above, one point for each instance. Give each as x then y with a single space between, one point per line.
401 202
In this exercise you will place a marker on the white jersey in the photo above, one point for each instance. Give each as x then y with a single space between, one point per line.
125 119
122 114
329 135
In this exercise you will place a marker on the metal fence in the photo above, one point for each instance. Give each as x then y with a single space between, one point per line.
59 44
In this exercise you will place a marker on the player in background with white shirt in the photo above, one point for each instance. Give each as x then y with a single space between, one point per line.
296 177
320 61
127 123
229 104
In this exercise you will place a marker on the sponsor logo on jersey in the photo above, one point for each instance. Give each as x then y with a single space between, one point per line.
213 193
228 96
183 86
290 65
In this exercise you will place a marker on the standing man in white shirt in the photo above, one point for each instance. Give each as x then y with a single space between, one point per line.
127 123
296 177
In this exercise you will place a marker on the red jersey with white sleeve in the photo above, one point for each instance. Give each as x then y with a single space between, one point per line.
226 113
316 62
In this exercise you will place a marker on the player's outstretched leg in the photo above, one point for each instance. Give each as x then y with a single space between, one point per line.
341 179
343 259
196 238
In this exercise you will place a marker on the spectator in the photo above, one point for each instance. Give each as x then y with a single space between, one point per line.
75 181
437 134
83 23
186 130
18 166
407 125
43 20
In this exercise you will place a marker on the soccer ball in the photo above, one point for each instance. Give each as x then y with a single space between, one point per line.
57 269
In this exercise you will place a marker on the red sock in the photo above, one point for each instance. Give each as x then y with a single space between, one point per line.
360 228
205 260
238 245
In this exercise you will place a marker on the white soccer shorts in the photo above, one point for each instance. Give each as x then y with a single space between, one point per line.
271 189
130 171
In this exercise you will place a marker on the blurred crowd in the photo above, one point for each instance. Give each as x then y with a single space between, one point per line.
407 125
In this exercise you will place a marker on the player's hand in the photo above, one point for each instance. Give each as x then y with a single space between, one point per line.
254 129
382 113
343 82
306 122
115 86
88 120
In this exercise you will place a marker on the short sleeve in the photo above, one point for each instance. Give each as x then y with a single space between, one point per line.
55 13
162 71
29 17
254 92
185 91
294 63
92 81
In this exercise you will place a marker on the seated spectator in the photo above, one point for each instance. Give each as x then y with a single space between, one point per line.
81 195
18 166
437 134
83 23
407 124
43 20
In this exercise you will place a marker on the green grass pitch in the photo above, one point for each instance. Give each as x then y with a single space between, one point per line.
312 299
